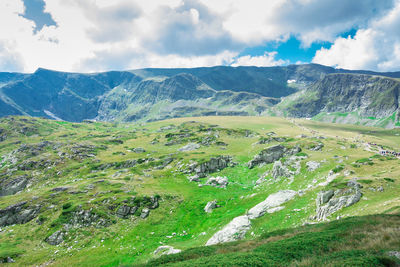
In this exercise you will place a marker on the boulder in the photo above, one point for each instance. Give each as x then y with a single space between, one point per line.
123 211
56 238
312 165
279 170
272 201
210 166
394 254
272 154
138 150
317 147
210 206
145 213
154 202
166 250
189 147
235 230
329 202
220 182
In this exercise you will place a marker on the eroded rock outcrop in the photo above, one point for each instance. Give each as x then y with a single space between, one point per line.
55 238
189 147
238 227
272 154
210 166
210 206
331 201
312 165
235 230
18 214
166 250
13 185
270 203
219 182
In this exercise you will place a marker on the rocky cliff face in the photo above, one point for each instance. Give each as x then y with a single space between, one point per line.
368 96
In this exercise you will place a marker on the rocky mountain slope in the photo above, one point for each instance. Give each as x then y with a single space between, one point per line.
349 98
75 97
97 193
310 90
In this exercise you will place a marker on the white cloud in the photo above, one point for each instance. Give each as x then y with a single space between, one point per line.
95 35
375 47
266 60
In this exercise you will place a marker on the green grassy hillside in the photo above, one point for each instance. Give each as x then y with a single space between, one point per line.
107 194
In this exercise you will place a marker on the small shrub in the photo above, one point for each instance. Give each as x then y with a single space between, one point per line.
389 179
338 168
301 154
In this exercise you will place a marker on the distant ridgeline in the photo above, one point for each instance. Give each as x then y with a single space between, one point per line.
311 90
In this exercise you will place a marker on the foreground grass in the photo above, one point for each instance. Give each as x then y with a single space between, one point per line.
354 241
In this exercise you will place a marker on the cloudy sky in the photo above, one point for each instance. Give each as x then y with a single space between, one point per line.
100 35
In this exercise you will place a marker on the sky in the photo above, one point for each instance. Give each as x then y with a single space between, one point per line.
102 35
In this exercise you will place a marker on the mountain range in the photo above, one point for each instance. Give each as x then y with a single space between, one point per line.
309 91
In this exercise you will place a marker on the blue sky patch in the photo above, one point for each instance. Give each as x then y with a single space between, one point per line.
34 10
290 50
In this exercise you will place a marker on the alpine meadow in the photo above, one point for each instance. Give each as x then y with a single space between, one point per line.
199 133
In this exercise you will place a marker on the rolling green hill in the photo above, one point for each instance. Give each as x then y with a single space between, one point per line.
112 194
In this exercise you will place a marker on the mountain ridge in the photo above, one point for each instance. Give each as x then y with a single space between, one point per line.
158 93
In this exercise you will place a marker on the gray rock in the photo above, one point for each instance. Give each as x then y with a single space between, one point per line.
139 150
56 238
18 214
123 211
312 165
13 186
260 180
394 254
210 206
145 213
210 166
329 202
318 147
279 170
272 154
60 189
166 250
235 230
220 182
85 218
239 226
189 147
154 202
324 196
272 201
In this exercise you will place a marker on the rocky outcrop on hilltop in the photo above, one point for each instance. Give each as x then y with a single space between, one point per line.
272 154
201 170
